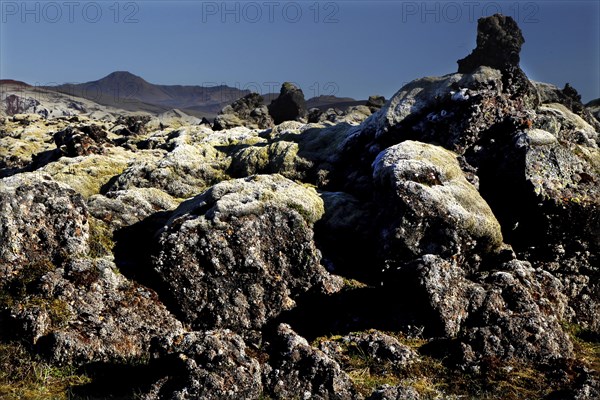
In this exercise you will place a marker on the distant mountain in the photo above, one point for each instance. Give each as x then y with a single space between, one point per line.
325 102
127 91
130 92
17 97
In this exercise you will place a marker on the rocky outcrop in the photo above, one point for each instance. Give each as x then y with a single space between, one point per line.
499 42
205 365
375 103
81 141
222 258
300 370
289 106
249 111
41 222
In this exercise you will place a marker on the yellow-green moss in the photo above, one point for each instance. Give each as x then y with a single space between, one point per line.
101 239
26 377
431 378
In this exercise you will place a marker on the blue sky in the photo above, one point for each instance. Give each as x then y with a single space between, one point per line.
347 48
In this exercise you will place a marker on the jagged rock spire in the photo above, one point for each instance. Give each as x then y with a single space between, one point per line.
499 41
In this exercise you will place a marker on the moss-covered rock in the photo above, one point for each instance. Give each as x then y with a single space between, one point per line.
430 206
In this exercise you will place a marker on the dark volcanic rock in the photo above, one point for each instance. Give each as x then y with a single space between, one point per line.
430 208
248 111
375 103
518 317
499 42
388 392
87 312
80 141
301 371
205 365
134 125
239 254
374 344
41 222
289 106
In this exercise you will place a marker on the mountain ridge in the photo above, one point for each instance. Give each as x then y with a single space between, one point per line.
123 89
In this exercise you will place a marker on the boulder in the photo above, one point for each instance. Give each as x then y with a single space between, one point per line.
518 317
132 125
41 222
289 106
123 208
378 346
205 365
430 208
375 103
182 172
86 311
248 111
80 141
241 253
301 371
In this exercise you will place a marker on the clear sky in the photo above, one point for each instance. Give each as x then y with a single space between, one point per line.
346 48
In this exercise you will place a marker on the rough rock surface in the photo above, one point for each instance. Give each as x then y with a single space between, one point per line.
289 106
430 207
249 111
205 365
85 311
388 392
127 207
374 344
41 221
499 42
301 371
82 141
222 258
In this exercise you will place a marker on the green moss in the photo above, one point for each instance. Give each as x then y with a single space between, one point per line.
24 376
101 239
586 344
431 378
16 289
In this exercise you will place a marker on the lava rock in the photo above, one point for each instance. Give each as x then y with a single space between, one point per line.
375 103
239 254
86 311
387 392
518 317
499 41
289 106
374 344
41 222
126 207
248 111
205 365
301 371
80 141
132 125
430 208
